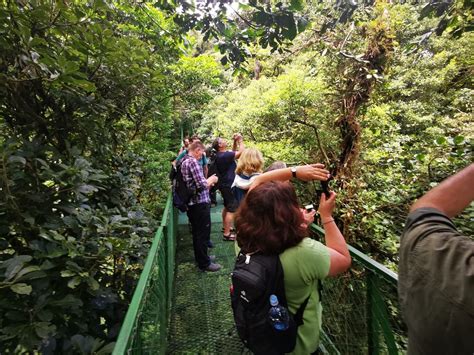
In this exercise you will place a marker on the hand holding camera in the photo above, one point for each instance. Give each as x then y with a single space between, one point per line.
308 216
326 206
237 137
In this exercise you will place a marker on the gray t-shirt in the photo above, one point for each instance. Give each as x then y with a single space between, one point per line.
436 285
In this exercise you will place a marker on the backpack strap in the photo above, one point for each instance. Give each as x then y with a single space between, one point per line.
299 313
320 290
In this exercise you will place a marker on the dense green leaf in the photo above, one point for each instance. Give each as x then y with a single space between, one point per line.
21 288
17 159
296 5
14 265
68 301
43 329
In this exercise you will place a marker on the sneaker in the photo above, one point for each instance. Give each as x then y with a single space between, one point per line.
213 267
230 238
210 244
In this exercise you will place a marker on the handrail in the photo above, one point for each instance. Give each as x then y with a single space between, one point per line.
368 262
132 316
378 321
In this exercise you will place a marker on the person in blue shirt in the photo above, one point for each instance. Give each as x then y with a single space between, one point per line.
202 162
185 145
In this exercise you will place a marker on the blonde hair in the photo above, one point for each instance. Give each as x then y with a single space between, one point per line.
250 162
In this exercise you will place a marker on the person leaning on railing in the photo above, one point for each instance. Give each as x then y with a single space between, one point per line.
270 221
436 271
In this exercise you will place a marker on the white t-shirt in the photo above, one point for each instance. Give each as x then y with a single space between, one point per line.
242 183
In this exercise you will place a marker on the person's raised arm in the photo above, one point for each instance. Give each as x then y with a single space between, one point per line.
303 172
340 259
238 139
452 195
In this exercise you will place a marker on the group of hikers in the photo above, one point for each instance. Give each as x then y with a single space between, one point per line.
263 216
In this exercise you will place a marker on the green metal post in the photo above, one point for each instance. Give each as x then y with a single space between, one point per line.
372 333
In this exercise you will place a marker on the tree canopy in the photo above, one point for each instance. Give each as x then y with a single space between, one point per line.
94 95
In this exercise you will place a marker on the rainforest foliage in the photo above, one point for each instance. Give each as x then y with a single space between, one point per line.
92 95
382 101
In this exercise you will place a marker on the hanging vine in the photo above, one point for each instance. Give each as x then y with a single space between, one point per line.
365 72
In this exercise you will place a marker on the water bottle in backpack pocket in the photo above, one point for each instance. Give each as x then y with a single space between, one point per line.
278 315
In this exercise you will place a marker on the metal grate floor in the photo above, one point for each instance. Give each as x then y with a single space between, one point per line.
201 316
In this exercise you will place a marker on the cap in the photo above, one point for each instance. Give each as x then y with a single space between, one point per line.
273 300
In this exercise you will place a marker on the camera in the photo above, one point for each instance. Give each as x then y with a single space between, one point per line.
325 187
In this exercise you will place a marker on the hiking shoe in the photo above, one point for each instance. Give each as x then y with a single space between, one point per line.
210 244
230 238
213 267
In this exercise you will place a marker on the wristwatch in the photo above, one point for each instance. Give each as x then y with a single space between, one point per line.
293 172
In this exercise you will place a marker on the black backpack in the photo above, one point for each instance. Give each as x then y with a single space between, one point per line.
254 279
181 192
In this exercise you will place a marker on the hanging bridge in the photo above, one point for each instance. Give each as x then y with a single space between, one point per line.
177 309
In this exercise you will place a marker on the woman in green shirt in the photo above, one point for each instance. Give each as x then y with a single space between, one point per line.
270 221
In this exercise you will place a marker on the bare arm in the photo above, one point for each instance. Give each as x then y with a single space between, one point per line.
303 172
340 259
238 140
234 146
452 195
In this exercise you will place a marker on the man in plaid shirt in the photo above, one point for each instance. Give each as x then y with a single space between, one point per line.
199 207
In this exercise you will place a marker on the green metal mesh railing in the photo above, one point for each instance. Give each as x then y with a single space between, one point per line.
361 313
144 329
360 307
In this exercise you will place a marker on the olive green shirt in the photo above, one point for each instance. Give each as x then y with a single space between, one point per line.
302 266
436 285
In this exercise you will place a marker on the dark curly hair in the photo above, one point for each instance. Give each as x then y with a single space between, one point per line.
269 219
